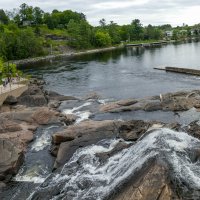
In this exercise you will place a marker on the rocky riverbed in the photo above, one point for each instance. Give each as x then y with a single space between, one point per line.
63 147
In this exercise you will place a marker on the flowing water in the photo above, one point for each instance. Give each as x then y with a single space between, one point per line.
118 74
37 166
85 177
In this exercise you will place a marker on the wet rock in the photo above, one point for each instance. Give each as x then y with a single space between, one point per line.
66 149
33 97
45 116
80 135
58 97
85 128
11 158
10 100
54 104
152 106
152 183
92 95
174 126
133 130
119 147
179 101
115 105
194 129
69 119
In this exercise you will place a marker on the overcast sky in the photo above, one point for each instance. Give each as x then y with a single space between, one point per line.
175 12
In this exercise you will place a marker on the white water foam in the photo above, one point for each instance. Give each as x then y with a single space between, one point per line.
31 175
34 179
82 115
36 172
43 141
90 179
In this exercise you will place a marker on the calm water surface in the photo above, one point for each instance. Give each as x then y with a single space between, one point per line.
122 73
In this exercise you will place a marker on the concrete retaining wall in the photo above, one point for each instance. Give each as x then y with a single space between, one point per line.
183 70
14 92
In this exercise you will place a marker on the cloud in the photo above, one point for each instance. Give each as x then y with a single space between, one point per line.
174 12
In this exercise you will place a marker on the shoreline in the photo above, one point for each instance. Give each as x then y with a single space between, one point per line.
85 52
71 54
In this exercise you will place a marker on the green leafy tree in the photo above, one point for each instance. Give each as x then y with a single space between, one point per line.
136 30
80 34
26 13
175 35
8 70
4 19
102 39
151 32
114 32
38 15
102 22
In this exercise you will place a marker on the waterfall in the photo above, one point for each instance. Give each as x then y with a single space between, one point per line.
86 177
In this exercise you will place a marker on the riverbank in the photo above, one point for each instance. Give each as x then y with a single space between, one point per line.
93 51
70 54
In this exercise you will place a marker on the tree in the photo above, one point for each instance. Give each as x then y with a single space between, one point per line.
114 32
175 35
8 70
102 39
102 22
136 30
37 15
152 32
80 33
26 13
4 19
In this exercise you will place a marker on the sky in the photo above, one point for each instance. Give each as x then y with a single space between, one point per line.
156 12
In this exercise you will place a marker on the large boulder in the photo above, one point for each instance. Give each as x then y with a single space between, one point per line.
32 100
83 134
151 183
33 97
90 127
11 159
44 116
51 95
109 107
133 130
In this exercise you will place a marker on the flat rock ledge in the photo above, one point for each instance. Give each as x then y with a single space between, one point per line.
179 101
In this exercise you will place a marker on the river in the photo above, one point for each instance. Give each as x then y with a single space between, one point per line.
118 74
122 73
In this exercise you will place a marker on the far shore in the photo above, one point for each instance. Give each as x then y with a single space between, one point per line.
78 53
68 54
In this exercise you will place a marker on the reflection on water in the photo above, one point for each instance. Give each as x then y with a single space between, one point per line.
122 73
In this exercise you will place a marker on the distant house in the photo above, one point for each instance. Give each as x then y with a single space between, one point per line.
168 33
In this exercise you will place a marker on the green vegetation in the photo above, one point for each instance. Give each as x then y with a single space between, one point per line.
29 32
8 70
